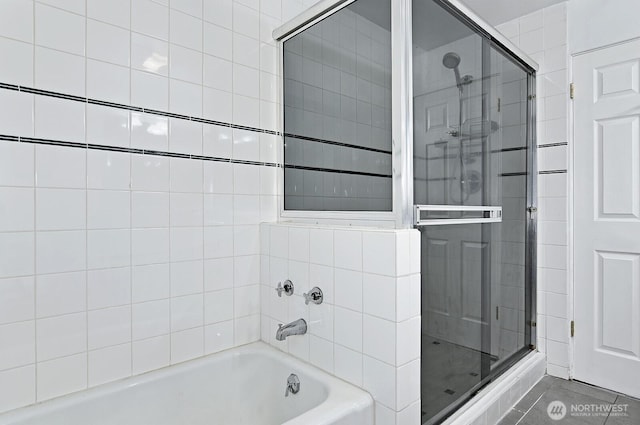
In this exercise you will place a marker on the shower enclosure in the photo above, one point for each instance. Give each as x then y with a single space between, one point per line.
449 149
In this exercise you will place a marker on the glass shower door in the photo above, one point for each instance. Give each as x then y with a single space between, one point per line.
470 194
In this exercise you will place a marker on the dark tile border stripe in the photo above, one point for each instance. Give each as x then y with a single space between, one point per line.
552 145
78 145
90 101
553 172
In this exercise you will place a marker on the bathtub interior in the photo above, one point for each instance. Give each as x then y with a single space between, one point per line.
241 389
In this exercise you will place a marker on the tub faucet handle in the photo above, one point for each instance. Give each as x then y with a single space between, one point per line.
293 385
315 296
287 288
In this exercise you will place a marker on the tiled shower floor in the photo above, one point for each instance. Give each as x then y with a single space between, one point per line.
532 409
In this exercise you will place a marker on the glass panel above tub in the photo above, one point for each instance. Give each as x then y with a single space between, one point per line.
337 112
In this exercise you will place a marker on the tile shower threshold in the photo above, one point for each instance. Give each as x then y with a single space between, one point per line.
496 399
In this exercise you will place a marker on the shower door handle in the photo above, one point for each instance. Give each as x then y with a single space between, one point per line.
439 215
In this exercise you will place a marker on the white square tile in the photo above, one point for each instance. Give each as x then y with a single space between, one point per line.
18 348
59 119
75 6
321 321
186 278
407 297
151 354
408 341
149 54
185 64
150 246
218 73
108 170
185 98
348 249
61 336
108 287
218 242
108 82
51 259
108 248
379 253
61 209
349 333
107 43
149 91
192 7
17 387
321 353
185 30
16 254
218 306
186 345
380 380
18 66
187 312
186 175
246 270
59 71
218 177
17 302
17 164
151 319
299 244
217 142
246 329
149 173
408 384
108 209
246 81
110 326
246 240
246 111
16 113
218 210
150 18
150 209
246 209
186 243
246 145
348 364
150 282
246 179
16 209
116 12
59 29
61 376
218 274
186 210
379 339
217 105
16 20
218 12
218 337
246 20
348 289
246 300
185 136
60 167
218 41
379 296
62 293
246 50
107 126
109 364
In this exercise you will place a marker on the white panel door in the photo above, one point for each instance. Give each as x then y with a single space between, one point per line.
607 217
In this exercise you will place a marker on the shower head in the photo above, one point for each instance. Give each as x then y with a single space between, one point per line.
451 60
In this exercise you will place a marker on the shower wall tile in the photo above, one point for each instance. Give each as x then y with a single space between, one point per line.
367 330
544 38
130 261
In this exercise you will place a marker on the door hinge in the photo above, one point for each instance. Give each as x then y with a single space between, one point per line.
497 313
573 328
499 102
572 91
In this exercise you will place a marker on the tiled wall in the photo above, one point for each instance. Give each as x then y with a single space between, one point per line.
129 235
367 330
543 35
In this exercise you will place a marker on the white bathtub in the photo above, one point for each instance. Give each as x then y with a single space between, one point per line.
242 386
